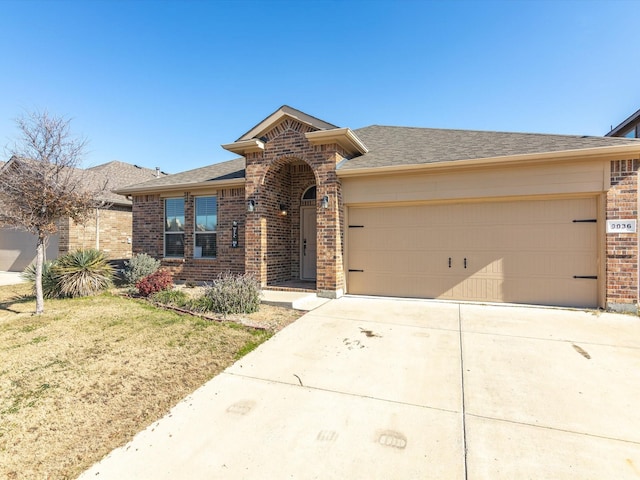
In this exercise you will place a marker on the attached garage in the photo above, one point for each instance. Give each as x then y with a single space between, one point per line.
18 249
529 251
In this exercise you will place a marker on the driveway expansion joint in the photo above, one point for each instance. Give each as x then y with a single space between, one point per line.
546 427
338 392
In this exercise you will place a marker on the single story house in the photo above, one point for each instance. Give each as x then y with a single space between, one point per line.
408 212
109 229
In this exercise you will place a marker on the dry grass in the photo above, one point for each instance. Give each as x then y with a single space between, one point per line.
90 373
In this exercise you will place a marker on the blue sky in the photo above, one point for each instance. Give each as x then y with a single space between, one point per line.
164 83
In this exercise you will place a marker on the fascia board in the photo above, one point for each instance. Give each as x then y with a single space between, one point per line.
183 187
342 136
245 146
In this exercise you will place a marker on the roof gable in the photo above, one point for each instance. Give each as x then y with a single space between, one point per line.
279 116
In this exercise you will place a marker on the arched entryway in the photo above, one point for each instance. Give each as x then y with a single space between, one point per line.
287 211
308 235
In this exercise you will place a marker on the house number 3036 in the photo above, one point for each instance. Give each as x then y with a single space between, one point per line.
621 226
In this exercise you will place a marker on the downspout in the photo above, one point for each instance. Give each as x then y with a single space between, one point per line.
97 229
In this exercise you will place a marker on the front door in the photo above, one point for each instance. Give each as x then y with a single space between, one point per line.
308 244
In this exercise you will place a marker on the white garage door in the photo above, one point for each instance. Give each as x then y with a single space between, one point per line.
537 252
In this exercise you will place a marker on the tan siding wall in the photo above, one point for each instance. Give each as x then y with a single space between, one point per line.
477 183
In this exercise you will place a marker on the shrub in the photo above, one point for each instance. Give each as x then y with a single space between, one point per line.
49 285
231 293
156 282
177 298
82 273
138 267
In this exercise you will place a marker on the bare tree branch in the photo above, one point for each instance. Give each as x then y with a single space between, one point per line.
41 184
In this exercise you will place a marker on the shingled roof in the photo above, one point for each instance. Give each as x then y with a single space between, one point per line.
400 146
228 171
118 174
390 147
111 176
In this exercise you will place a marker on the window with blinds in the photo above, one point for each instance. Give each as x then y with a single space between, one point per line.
206 223
174 227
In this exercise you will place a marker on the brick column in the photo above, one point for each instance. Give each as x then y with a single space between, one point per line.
330 275
622 248
255 243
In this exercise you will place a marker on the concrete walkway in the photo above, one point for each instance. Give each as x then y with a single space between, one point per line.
10 278
365 388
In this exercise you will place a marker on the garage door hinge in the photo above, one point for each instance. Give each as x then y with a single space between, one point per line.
356 226
589 277
354 270
588 220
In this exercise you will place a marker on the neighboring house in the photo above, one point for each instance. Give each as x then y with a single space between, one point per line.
630 128
408 212
109 229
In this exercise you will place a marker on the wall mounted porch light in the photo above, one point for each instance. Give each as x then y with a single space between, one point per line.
283 209
251 206
325 202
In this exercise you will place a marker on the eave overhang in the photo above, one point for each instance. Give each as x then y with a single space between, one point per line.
182 187
242 147
622 152
344 137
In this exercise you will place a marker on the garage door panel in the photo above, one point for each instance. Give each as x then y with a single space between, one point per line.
527 251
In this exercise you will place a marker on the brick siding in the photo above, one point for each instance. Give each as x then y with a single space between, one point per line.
148 224
114 233
278 175
622 248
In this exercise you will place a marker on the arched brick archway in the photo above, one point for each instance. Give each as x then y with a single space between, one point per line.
273 242
280 208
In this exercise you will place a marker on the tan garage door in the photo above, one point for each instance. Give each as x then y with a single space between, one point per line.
537 252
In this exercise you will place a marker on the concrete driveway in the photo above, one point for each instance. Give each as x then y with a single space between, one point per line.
10 278
368 388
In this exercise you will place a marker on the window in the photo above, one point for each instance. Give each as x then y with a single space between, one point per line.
174 227
206 222
310 193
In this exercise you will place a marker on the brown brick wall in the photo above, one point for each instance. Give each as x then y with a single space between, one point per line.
622 248
275 175
114 233
148 226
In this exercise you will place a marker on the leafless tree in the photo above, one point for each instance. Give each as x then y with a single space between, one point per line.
42 184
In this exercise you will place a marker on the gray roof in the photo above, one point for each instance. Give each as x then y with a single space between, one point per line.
109 176
395 146
229 170
116 175
398 146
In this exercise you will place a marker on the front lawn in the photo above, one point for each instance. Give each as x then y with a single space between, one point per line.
88 374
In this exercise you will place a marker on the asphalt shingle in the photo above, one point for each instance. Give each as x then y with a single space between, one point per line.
229 170
396 146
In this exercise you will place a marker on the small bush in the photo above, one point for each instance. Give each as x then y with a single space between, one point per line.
76 274
49 284
232 294
177 298
156 282
82 273
138 267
